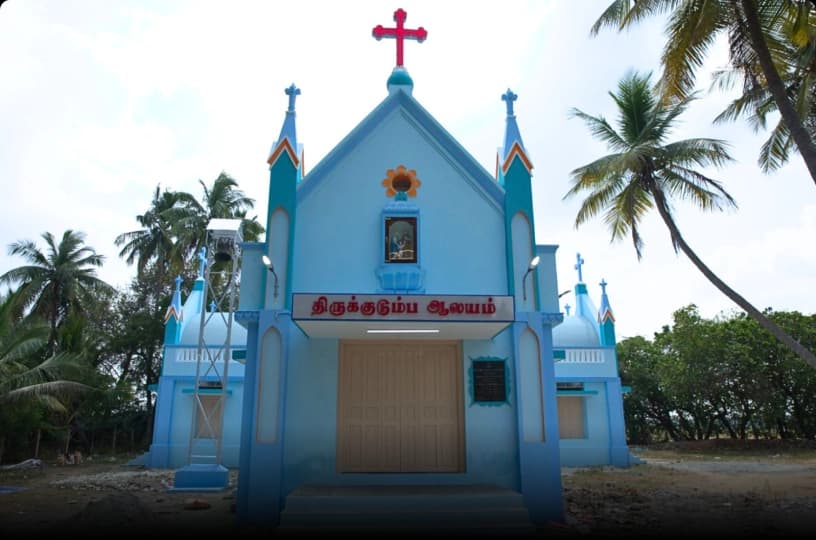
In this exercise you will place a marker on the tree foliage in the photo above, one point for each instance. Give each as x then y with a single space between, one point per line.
646 172
55 283
770 44
725 377
79 361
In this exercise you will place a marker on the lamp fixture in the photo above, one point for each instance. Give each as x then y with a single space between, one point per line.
533 263
271 268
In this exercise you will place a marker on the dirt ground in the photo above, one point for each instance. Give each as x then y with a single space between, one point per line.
700 490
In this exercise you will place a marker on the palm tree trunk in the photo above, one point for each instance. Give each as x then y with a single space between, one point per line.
52 336
37 443
777 89
757 315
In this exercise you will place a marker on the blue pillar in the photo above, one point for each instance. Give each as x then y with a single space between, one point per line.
160 448
618 451
540 461
260 481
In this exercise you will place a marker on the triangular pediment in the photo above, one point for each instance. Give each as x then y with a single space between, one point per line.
417 117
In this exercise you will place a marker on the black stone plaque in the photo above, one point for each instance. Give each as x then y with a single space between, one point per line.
489 381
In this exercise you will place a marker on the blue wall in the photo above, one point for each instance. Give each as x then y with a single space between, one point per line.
338 233
171 431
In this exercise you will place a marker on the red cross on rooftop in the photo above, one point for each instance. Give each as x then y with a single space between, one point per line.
400 33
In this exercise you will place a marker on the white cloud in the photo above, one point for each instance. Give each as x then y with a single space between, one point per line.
101 101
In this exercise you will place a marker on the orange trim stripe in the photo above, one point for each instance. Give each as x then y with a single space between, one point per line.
517 150
283 146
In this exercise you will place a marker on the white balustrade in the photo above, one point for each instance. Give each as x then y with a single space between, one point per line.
584 356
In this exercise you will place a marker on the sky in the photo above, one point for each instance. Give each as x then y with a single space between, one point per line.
102 101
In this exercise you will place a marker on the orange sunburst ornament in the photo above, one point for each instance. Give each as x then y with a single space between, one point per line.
401 183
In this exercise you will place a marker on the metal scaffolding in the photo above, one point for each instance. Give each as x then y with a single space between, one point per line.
218 303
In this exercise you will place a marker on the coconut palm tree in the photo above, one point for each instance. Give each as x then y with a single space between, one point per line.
221 200
755 29
56 282
155 242
24 376
797 53
645 172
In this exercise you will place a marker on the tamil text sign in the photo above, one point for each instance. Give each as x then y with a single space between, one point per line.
377 307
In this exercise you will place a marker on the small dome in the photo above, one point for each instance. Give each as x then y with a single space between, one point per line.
400 78
215 333
576 331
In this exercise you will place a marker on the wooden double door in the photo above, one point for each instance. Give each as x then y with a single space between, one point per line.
400 407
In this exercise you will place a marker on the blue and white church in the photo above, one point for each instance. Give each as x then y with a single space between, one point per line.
376 355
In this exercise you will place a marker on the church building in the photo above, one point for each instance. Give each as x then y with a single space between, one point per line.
372 353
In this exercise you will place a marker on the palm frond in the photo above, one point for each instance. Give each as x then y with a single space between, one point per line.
706 194
775 151
599 198
691 30
629 207
601 129
701 152
52 389
623 13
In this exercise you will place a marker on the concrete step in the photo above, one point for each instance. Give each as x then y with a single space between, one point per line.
466 510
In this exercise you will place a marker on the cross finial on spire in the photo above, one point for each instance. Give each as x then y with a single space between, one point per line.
293 92
178 283
567 308
603 286
202 261
579 262
212 306
509 98
400 33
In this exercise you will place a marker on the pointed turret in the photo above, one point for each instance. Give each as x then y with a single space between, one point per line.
580 328
512 135
173 317
584 307
193 304
289 129
513 145
606 320
287 139
515 174
285 173
202 265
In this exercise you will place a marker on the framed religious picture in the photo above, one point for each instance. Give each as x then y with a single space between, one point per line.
401 239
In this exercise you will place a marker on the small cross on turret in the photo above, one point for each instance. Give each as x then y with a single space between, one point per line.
603 286
509 98
293 92
578 264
